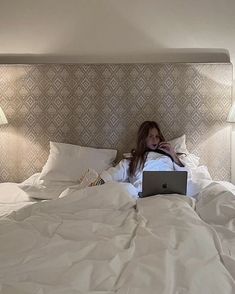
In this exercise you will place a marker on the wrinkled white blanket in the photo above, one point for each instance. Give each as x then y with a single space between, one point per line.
95 240
12 198
216 206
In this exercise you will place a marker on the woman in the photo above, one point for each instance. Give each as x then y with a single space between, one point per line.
150 138
152 153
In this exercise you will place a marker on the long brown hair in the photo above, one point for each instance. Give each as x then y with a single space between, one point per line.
139 154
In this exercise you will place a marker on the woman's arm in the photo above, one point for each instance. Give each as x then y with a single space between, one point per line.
169 149
118 173
177 160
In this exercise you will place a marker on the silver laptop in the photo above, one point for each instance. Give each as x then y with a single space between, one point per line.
164 182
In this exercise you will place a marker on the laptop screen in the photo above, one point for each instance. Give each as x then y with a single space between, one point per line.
164 182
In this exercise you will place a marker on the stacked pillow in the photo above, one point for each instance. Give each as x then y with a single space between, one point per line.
67 162
65 166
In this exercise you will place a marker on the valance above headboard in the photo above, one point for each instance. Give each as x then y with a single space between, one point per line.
102 105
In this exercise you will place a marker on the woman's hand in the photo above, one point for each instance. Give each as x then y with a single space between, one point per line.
170 150
167 148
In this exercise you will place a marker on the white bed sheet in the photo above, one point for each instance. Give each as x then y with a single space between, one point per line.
216 207
14 196
94 241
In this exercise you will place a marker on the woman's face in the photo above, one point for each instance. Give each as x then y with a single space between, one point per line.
153 139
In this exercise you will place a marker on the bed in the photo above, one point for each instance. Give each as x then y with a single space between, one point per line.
59 236
102 240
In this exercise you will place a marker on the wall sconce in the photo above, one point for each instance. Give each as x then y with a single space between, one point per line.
231 115
3 119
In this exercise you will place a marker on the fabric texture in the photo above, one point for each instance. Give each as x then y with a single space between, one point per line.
94 240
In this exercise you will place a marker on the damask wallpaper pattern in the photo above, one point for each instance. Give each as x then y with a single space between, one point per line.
102 105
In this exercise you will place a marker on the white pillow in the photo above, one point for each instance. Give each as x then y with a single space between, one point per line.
179 144
67 162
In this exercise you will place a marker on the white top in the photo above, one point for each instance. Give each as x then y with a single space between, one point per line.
154 162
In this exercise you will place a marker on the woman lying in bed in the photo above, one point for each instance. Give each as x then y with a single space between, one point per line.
152 153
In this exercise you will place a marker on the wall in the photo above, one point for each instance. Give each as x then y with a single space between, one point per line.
102 105
116 31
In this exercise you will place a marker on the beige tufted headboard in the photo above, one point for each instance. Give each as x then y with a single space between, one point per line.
102 105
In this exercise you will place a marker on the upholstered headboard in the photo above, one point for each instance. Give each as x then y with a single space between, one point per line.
102 105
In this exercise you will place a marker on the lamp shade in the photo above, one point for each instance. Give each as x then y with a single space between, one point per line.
231 115
3 119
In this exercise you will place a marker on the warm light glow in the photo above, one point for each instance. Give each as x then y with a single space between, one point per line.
3 119
231 115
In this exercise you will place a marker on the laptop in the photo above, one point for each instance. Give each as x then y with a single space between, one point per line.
164 182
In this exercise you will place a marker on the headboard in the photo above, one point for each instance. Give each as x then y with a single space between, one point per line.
102 105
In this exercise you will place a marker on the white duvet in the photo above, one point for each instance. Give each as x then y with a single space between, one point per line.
13 198
100 240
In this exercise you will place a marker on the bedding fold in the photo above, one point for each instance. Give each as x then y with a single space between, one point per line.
101 240
216 207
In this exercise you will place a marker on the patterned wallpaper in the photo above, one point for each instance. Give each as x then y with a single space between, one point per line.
102 105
